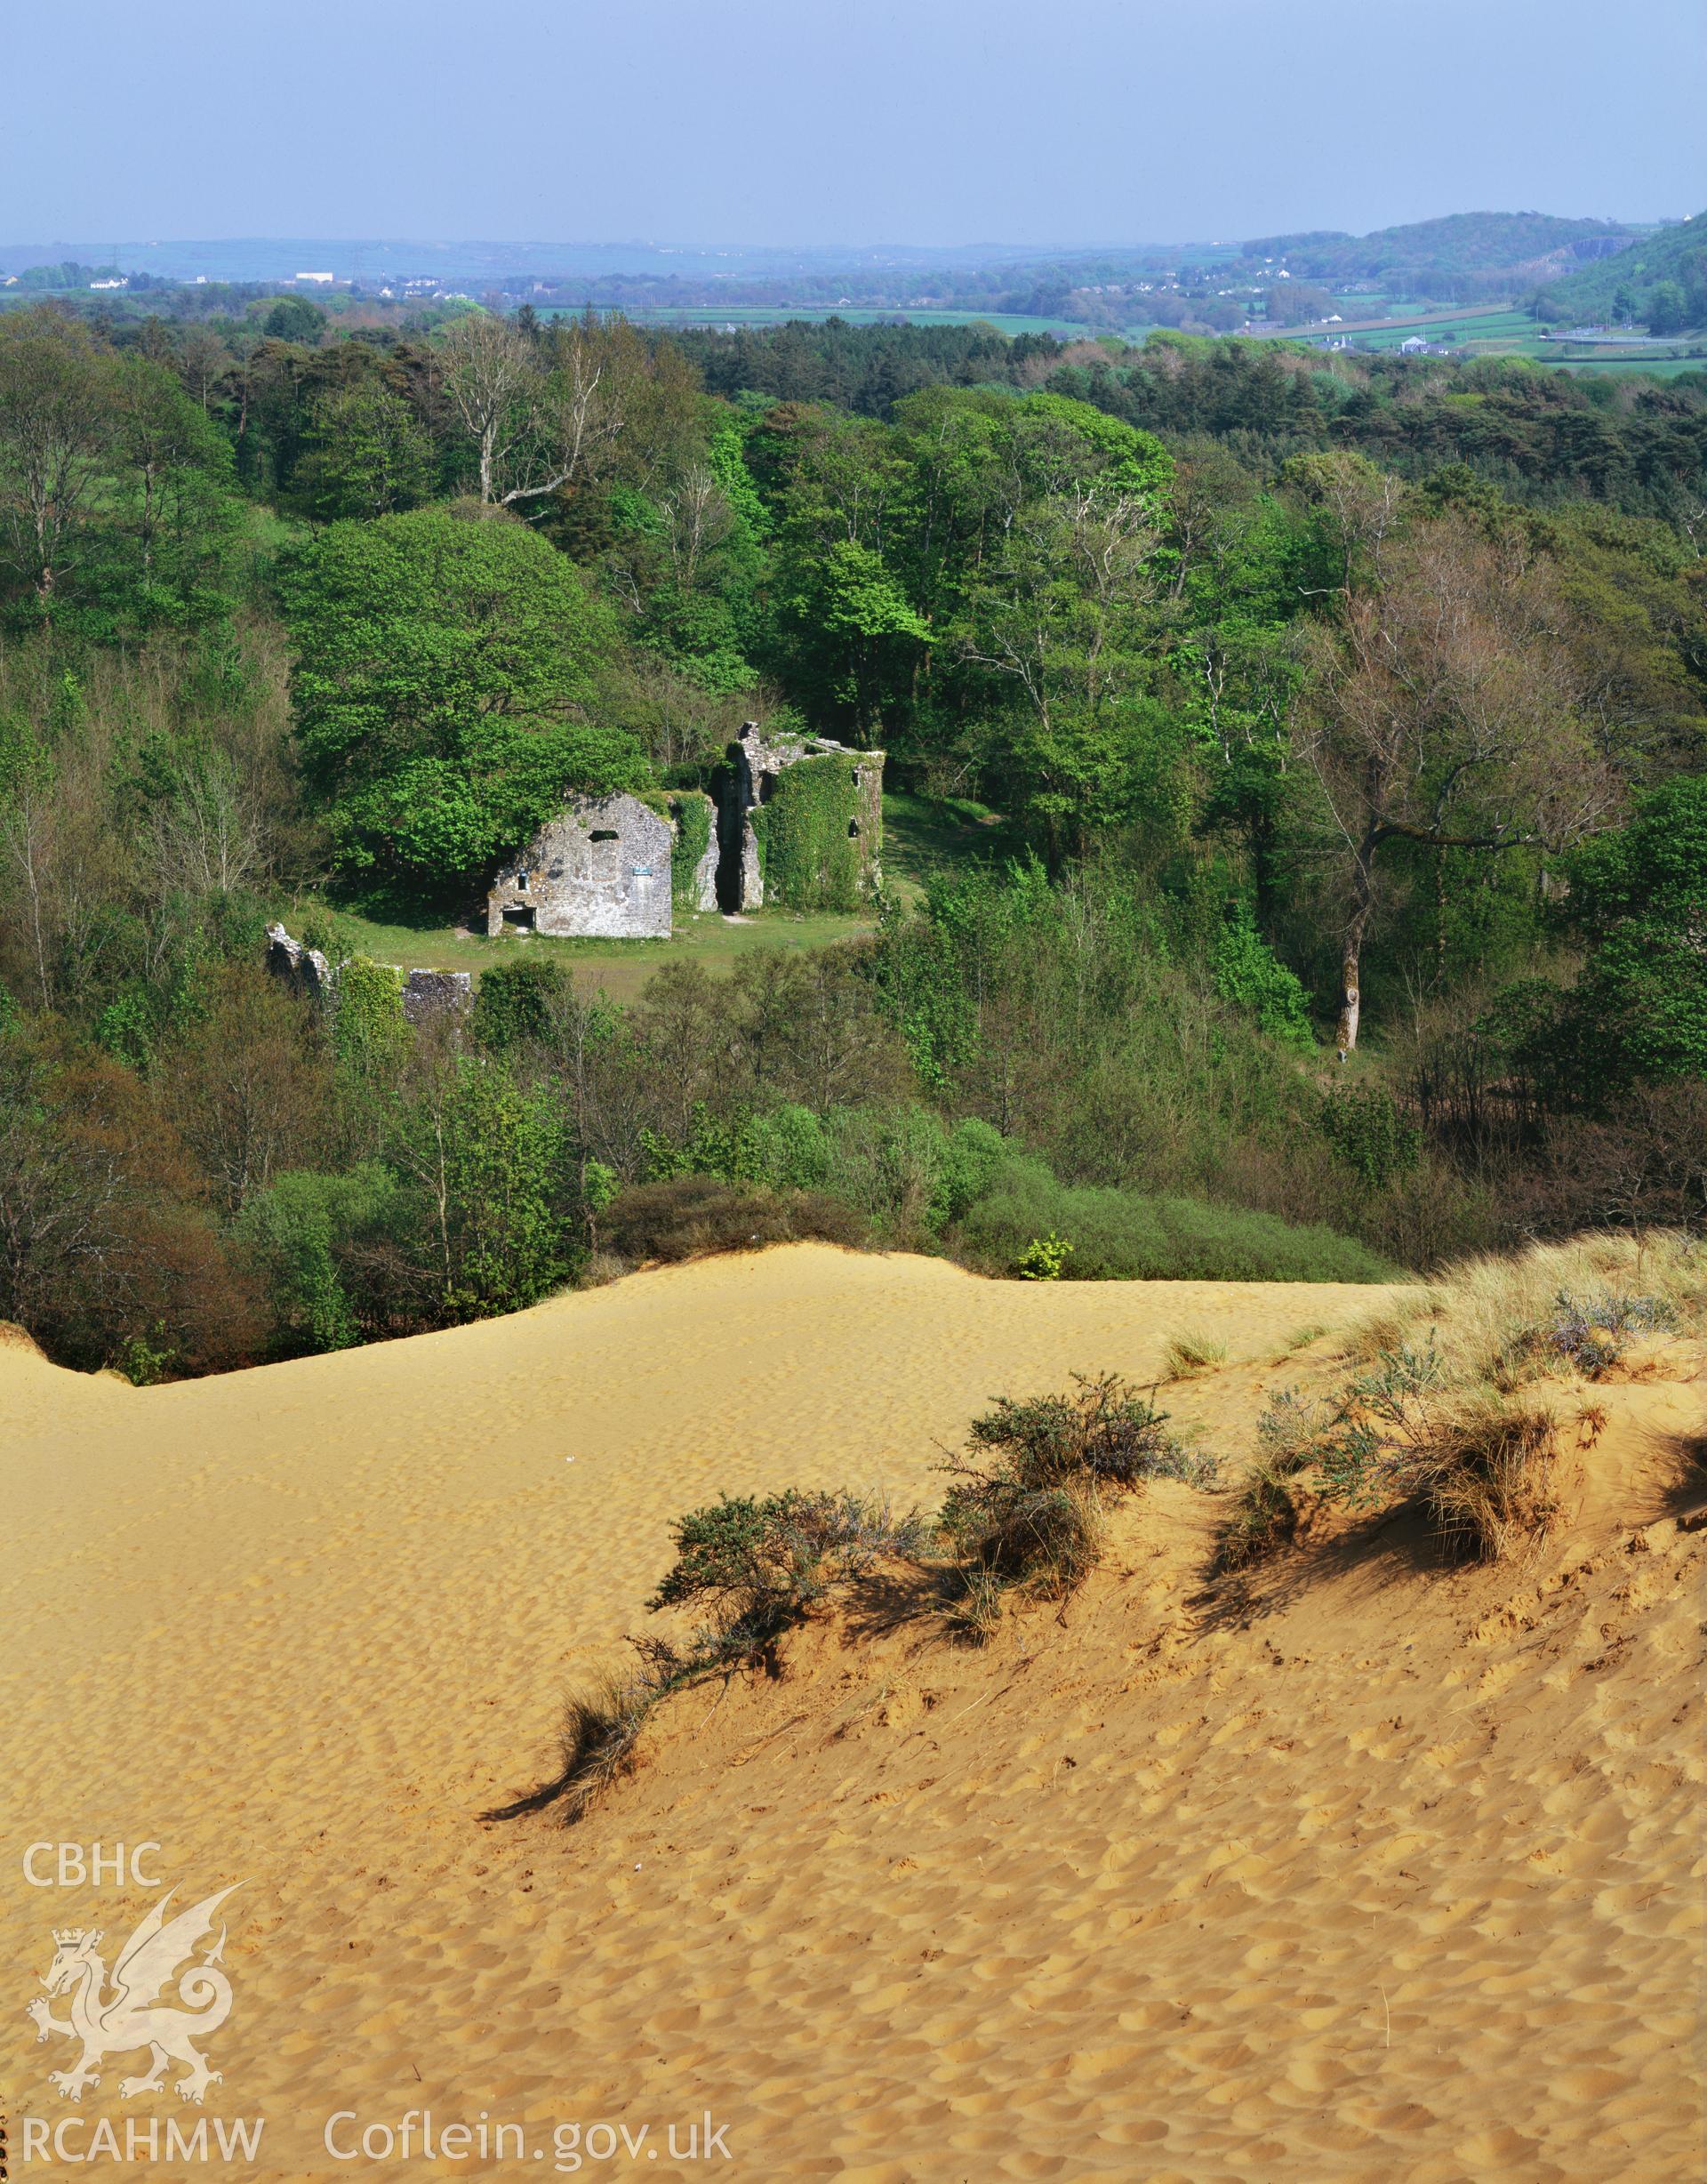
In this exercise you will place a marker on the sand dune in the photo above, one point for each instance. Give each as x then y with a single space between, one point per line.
1383 1876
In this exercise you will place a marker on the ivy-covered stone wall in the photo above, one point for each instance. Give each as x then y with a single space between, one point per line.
819 831
693 862
693 849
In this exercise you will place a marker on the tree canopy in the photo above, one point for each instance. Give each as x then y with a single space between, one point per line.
446 669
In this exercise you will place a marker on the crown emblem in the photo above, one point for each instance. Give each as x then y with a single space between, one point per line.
75 1937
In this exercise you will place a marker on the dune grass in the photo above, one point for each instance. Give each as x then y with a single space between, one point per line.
1187 1355
1480 1309
1446 1405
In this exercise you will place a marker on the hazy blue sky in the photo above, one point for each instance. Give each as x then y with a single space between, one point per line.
796 121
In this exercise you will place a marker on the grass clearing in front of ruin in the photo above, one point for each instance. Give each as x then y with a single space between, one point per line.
622 969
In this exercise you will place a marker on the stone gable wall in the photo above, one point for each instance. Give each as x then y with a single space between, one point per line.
599 870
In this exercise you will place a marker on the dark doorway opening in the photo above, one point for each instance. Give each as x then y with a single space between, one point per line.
521 917
730 818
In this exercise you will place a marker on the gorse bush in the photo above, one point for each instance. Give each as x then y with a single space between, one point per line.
1025 1505
1043 1259
754 1568
1105 1431
1264 1519
758 1565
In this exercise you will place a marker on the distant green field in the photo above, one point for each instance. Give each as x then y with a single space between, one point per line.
1504 332
1666 367
815 315
1507 330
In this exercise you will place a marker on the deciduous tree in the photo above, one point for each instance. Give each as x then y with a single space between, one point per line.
56 427
1447 712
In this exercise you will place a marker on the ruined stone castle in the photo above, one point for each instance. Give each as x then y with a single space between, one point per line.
601 869
620 867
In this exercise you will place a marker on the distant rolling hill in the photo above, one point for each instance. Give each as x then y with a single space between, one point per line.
1659 279
1463 253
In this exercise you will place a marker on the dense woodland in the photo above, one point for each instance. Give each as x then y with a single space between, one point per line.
1344 721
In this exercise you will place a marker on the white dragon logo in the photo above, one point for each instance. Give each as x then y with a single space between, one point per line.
133 2016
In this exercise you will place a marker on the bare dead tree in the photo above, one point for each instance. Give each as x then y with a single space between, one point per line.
203 360
699 521
541 415
492 380
211 835
1066 611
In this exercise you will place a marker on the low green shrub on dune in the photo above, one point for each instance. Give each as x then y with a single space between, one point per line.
1122 1236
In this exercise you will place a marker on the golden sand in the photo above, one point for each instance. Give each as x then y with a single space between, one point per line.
1385 1875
